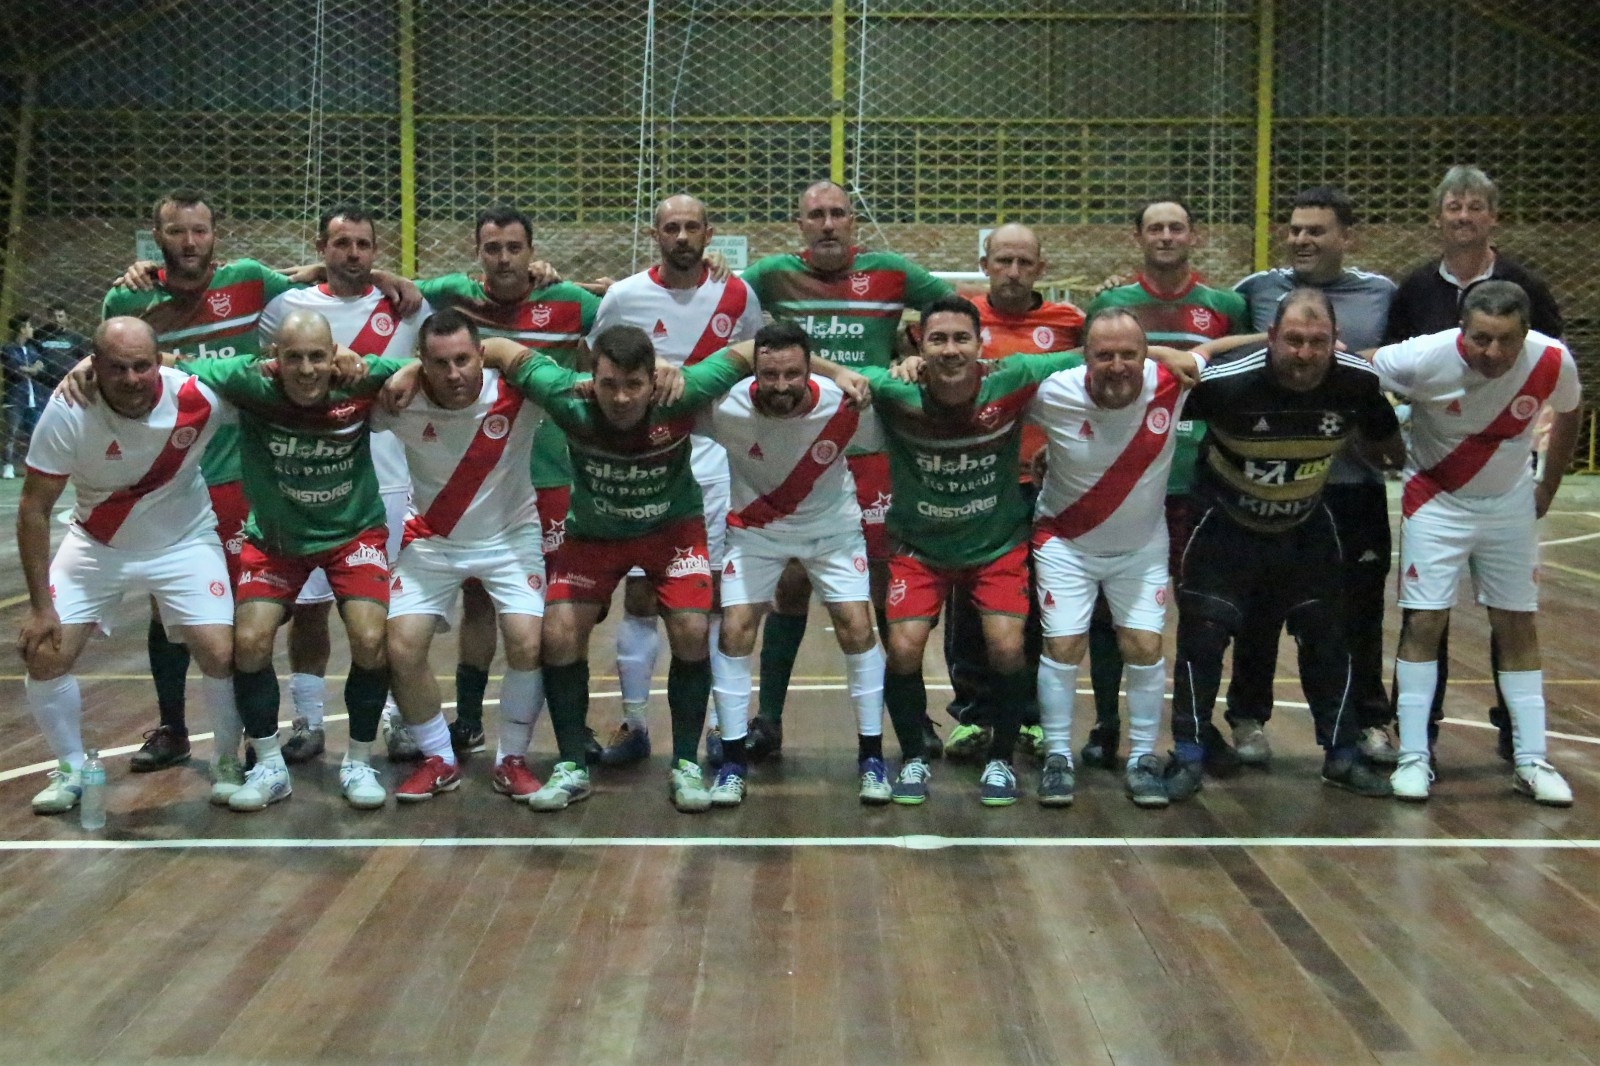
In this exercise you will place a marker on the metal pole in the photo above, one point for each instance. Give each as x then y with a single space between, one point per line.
408 139
11 289
1263 196
836 104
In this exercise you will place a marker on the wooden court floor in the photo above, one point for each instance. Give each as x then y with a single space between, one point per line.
1271 920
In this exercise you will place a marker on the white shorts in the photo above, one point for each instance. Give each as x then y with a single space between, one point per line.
1134 583
429 573
836 564
189 581
395 504
1500 549
716 500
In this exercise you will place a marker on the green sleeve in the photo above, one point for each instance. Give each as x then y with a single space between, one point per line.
448 290
707 380
273 283
1098 304
889 389
1238 312
238 379
1032 369
922 288
547 382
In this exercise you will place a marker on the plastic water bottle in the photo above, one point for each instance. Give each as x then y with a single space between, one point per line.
92 805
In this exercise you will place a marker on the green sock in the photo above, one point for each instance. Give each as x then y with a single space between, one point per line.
780 643
256 694
566 692
688 693
169 668
471 683
364 692
906 699
1105 675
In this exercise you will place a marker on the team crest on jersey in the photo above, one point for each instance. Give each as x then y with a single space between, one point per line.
721 324
540 315
1044 338
897 592
660 435
534 582
1161 597
496 426
1331 425
382 324
220 303
875 512
824 452
1158 421
1200 319
218 588
555 535
367 555
989 416
342 412
859 284
183 436
685 563
860 563
1524 407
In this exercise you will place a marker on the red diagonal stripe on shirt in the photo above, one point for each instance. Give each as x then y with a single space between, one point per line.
1472 454
734 297
369 341
788 496
480 457
1106 495
107 517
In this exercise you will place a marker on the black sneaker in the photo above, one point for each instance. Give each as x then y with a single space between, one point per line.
932 743
1353 774
1500 718
466 737
163 746
1101 751
1183 779
714 747
1221 758
763 740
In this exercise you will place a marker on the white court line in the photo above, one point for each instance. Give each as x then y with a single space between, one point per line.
905 843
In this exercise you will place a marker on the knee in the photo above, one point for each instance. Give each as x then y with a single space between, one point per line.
522 647
904 652
688 634
213 655
1202 638
368 647
1067 651
1139 647
252 649
738 632
854 630
1315 620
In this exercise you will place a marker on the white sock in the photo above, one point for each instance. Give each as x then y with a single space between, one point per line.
1146 687
1414 685
638 648
1058 687
722 672
1524 693
359 751
217 695
308 692
730 696
269 752
521 697
433 738
58 708
863 674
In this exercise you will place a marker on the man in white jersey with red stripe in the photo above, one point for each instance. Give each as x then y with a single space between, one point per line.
1100 526
1471 503
468 438
367 322
689 314
142 522
793 497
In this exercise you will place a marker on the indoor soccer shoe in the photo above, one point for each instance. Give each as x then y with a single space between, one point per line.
568 784
728 788
359 783
513 778
62 793
227 777
688 788
998 785
911 786
1056 782
875 788
428 780
628 746
1411 778
264 785
1540 781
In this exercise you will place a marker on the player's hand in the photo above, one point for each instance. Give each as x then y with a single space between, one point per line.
77 388
1543 497
1039 465
856 388
717 263
669 382
40 628
908 370
543 274
402 292
598 286
583 388
348 368
309 274
1182 365
141 276
1112 281
401 388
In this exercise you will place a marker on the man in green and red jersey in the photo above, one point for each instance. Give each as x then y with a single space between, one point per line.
505 302
306 457
200 308
1015 319
849 300
1167 299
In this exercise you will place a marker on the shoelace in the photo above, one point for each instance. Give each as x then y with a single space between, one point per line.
998 774
914 772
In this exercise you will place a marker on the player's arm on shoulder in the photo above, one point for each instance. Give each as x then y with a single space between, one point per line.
922 288
1185 366
1038 366
857 388
1234 341
142 276
400 291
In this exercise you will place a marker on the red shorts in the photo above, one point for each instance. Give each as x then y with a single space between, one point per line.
227 500
917 591
673 559
358 570
553 504
873 494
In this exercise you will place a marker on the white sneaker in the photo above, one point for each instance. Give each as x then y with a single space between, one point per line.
9 473
568 784
1250 742
688 788
727 789
359 781
1378 746
227 777
265 784
1411 778
62 793
1537 779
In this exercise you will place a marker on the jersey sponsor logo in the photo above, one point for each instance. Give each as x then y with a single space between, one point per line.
313 497
897 592
962 463
962 510
756 452
644 512
218 588
540 315
832 326
220 303
226 351
721 324
574 580
729 571
660 330
534 582
1200 319
1086 432
313 448
1331 425
860 283
496 426
685 563
184 436
608 471
1044 338
857 561
555 534
1158 421
382 324
1453 407
824 452
367 555
234 545
429 434
875 512
263 577
114 451
1525 406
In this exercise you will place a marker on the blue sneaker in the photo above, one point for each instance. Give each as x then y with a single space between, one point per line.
628 746
728 788
911 787
875 787
998 785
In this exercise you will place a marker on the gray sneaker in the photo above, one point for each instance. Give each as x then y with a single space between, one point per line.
1377 746
1182 779
1056 782
305 742
1144 783
402 746
1250 742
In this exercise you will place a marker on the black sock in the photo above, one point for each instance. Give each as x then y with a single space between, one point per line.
733 751
869 747
169 668
1011 691
471 683
566 692
256 693
688 694
364 692
781 635
906 699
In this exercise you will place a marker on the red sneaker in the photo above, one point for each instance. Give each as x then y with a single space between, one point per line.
433 776
511 777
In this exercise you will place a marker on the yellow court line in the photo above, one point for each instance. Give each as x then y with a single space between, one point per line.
1545 564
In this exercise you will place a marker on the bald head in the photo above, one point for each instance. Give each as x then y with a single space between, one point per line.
1014 262
124 333
305 327
827 225
679 206
304 350
127 367
1013 233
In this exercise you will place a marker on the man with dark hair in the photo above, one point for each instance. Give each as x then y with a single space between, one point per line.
1471 503
1321 232
1264 544
850 301
25 391
63 346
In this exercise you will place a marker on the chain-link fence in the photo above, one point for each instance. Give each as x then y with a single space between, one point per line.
941 116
